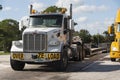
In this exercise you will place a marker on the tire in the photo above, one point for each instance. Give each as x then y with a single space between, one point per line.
113 59
83 54
87 52
63 63
17 65
80 55
77 54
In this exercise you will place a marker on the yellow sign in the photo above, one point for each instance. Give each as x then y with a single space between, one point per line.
49 56
18 56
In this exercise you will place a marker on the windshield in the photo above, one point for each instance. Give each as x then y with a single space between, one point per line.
118 27
46 21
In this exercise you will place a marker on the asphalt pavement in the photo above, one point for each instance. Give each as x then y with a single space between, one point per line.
97 67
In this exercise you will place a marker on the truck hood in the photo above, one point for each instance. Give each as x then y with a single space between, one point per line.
42 30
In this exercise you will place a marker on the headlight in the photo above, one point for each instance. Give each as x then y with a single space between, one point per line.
54 43
114 49
17 43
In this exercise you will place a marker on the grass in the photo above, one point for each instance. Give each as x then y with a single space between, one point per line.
4 53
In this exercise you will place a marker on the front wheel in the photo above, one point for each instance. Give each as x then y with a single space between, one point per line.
17 65
62 64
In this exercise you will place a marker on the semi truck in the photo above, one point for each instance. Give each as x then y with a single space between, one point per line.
114 30
47 38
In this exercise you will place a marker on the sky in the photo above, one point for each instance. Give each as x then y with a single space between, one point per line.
92 15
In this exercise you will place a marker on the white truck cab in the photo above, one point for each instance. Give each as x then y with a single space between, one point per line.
46 38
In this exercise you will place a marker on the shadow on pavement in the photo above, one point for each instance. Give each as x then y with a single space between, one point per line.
103 65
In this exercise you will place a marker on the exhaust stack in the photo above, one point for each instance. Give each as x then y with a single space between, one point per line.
31 7
70 11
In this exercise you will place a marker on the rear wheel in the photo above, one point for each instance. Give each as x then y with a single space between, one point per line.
83 53
113 59
79 55
16 65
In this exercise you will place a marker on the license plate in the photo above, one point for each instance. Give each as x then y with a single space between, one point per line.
49 56
18 56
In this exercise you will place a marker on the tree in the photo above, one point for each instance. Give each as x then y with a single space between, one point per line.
85 36
106 36
97 38
76 33
105 33
53 9
9 31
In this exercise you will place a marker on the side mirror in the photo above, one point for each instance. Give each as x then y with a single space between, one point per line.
1 7
75 24
110 29
23 23
71 24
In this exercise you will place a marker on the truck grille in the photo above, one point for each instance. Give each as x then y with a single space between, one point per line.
34 42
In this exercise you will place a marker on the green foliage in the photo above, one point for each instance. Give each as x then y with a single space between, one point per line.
76 33
3 53
85 36
97 38
52 9
106 36
9 31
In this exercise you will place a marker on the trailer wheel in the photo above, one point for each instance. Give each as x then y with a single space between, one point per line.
62 64
17 65
79 54
87 52
113 59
